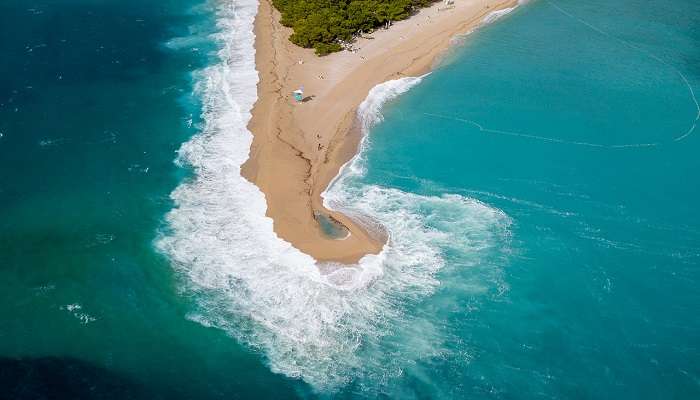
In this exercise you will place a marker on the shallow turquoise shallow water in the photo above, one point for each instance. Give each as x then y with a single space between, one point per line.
602 280
570 120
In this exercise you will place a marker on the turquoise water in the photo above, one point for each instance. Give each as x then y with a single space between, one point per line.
603 270
539 190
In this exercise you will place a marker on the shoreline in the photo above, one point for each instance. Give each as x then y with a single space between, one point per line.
298 149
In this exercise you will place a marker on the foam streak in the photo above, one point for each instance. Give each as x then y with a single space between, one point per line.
538 137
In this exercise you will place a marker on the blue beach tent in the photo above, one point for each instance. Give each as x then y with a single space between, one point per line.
299 94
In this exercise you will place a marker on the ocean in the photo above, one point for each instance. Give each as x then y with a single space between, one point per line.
539 190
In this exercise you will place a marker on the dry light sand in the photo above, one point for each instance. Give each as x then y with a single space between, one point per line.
298 148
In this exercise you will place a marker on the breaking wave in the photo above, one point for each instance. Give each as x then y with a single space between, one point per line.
325 324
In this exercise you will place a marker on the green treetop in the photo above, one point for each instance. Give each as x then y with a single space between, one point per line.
323 24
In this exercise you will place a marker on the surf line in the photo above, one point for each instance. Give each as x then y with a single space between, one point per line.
648 54
538 137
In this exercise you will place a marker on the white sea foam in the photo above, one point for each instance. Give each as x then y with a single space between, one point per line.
326 324
498 14
488 19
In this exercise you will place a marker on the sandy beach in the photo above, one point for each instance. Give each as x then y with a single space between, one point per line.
299 147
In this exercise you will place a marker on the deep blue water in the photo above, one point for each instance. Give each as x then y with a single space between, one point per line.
94 102
541 189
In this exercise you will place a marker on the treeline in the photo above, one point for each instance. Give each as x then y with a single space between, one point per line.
323 24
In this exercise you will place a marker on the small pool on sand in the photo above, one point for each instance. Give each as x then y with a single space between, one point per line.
331 227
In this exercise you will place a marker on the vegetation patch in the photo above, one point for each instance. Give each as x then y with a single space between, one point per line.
325 24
